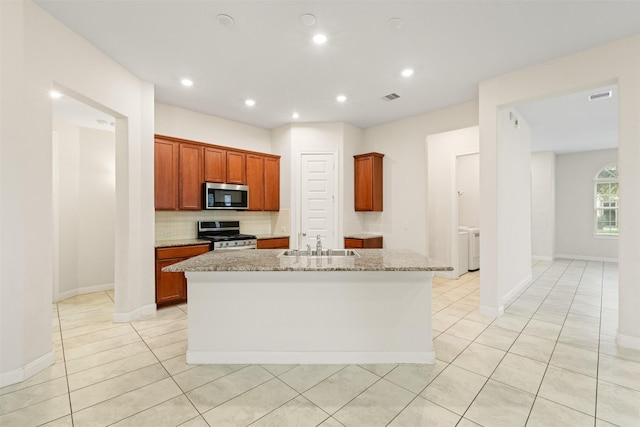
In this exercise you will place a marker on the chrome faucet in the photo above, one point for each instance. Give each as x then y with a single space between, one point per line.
319 245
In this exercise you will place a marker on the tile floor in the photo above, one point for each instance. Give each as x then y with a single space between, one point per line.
550 360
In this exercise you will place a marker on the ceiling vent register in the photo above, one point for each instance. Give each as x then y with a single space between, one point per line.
601 95
390 97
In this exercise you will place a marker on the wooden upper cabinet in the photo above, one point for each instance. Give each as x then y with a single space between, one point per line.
255 181
236 173
166 174
215 165
368 182
271 184
190 177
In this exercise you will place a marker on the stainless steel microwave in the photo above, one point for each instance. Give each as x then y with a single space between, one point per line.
225 196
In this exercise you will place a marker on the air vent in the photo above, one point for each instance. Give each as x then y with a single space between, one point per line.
601 95
390 97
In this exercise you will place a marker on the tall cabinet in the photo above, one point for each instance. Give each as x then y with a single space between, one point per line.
368 182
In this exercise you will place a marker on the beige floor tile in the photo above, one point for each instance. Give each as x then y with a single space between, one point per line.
618 405
442 322
376 406
165 339
480 359
101 335
93 327
31 395
337 390
575 359
511 322
217 392
164 328
51 373
619 371
467 423
203 374
514 406
533 347
609 346
579 337
520 372
601 423
568 388
278 369
38 414
170 351
97 347
303 377
195 422
497 337
170 413
380 370
331 422
107 356
546 414
128 404
110 370
177 364
540 329
466 329
65 421
422 412
297 412
476 316
252 405
89 396
447 347
454 389
415 377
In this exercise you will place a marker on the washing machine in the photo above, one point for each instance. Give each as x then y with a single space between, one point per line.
474 249
463 252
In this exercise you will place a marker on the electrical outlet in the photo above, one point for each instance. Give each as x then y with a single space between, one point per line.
168 233
405 225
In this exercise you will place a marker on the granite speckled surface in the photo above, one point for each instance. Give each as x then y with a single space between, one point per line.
180 242
270 236
362 236
268 260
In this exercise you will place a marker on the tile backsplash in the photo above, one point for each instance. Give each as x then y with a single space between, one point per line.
172 225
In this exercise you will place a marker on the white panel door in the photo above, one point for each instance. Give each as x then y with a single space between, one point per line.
317 196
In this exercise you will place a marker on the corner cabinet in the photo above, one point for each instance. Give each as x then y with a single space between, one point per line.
171 288
368 182
263 179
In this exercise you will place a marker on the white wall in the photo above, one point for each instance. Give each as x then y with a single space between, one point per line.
181 123
39 53
354 222
468 187
617 62
403 221
86 203
575 238
543 205
442 198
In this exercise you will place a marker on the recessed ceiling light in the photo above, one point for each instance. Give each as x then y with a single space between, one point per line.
225 20
394 24
341 98
186 82
295 115
319 39
308 19
249 102
54 94
407 72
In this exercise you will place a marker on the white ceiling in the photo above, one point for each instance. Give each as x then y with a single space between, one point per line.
267 54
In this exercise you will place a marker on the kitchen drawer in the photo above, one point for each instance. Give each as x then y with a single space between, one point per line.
365 243
275 243
181 251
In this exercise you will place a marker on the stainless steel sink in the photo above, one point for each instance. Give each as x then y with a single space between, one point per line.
324 253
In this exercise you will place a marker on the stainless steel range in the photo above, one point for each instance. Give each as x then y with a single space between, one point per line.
225 235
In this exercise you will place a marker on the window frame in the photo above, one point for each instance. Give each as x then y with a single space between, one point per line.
610 180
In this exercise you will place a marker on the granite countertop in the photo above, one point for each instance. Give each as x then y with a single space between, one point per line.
181 242
362 236
271 236
268 260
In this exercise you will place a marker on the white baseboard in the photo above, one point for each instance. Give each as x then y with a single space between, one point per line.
85 290
543 258
446 274
20 374
586 258
627 341
135 314
492 312
519 287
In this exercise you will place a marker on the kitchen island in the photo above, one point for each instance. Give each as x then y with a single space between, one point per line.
255 306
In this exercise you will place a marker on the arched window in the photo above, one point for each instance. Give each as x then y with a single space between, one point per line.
606 200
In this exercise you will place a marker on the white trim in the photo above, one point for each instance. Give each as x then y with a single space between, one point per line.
308 357
85 290
628 341
543 258
586 258
446 274
513 292
492 312
20 374
135 314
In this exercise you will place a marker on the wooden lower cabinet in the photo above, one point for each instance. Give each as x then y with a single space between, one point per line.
171 288
363 243
275 243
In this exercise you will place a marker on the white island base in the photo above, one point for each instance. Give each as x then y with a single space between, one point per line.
304 317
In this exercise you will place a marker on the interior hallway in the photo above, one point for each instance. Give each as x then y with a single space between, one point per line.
550 360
